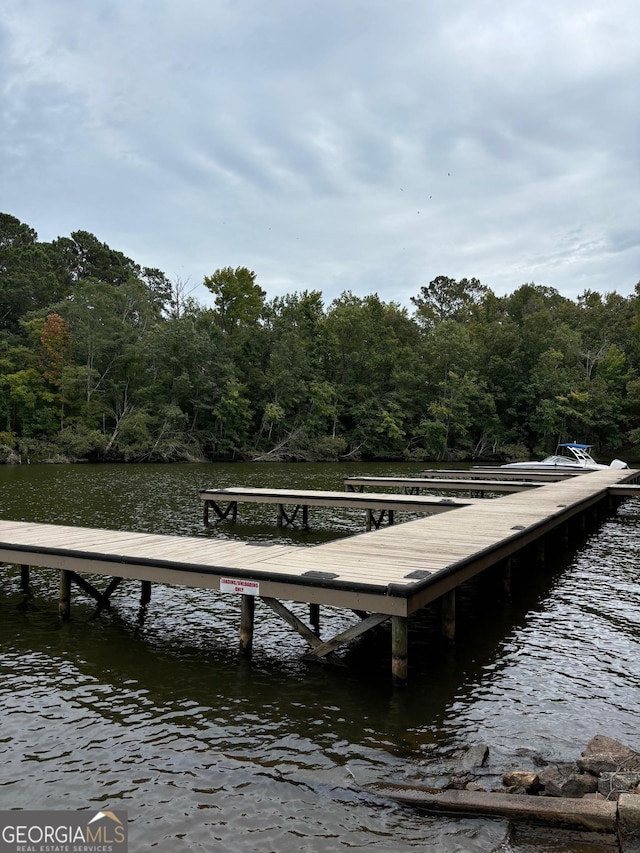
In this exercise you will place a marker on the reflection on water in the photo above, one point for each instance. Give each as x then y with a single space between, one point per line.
208 752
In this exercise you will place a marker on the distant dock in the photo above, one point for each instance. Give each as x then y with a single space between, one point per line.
389 573
224 503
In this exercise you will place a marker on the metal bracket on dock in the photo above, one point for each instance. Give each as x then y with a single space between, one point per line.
223 514
373 523
290 518
102 598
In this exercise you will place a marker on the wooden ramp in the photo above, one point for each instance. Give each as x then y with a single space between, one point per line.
391 572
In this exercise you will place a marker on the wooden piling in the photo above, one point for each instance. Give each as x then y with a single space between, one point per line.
64 595
314 617
145 593
506 576
449 615
246 624
24 578
399 650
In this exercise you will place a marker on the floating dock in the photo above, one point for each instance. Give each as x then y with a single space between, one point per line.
386 574
418 485
299 501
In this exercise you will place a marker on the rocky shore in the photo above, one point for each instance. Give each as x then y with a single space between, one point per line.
605 769
598 792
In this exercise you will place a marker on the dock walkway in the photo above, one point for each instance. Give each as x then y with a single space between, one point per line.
488 472
418 485
388 573
301 499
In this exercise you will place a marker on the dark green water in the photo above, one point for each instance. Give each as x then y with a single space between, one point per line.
209 752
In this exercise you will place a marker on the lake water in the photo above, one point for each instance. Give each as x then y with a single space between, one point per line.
210 752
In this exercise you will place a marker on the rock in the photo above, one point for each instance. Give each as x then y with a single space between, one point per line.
629 819
563 781
475 756
606 755
612 784
579 784
556 774
458 783
473 786
530 782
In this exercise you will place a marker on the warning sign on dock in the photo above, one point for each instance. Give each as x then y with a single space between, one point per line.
239 586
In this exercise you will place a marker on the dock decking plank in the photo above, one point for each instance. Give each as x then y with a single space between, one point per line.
343 500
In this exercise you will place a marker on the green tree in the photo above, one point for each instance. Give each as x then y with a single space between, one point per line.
239 301
27 281
447 299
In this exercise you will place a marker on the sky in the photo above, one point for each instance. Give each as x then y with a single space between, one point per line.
331 145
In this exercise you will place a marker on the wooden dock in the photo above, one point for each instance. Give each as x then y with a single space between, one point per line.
417 485
386 574
495 472
301 499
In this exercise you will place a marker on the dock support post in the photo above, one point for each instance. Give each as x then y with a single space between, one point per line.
449 615
314 617
367 522
145 593
506 576
205 513
246 624
279 513
24 578
399 650
64 595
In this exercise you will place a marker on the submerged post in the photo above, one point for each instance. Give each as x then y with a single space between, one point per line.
145 593
449 615
506 576
24 578
399 650
314 617
246 624
64 595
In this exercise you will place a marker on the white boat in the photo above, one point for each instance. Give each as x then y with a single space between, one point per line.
571 456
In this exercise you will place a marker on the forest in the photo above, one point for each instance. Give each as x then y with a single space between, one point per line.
104 360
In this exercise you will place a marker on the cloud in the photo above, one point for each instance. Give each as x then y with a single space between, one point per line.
333 146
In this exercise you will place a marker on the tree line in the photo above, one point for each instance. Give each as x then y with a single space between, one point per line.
102 359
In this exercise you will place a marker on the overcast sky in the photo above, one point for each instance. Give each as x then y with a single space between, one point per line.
332 145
